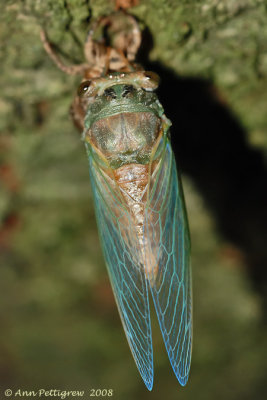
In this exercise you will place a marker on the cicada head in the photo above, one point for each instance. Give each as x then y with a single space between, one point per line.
123 118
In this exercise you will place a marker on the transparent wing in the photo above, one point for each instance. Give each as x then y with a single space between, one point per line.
127 275
167 259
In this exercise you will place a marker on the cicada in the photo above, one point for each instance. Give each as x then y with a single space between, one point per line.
138 195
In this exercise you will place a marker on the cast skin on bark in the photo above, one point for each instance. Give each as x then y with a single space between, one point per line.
138 197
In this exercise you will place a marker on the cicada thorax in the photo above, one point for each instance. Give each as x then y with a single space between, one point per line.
122 117
125 138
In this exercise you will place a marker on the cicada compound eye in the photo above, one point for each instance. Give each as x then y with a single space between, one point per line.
83 88
150 80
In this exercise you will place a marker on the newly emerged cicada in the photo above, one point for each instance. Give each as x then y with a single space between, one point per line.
138 194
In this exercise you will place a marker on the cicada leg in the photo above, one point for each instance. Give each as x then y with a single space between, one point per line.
126 37
79 69
96 54
77 113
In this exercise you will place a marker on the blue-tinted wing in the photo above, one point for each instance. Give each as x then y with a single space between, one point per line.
124 261
166 235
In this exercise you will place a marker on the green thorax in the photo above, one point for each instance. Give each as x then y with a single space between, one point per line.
123 123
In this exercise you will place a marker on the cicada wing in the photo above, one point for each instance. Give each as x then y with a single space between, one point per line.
123 259
167 259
